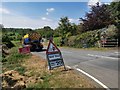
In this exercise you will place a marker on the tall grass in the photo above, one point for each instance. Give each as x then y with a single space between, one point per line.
14 60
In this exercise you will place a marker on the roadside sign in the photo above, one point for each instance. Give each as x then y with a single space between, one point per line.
54 56
24 50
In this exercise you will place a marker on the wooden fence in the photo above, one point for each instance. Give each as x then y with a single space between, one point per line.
109 43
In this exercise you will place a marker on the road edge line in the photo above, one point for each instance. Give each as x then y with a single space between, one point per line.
90 76
101 56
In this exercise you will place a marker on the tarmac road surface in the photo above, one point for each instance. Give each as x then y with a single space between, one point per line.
103 65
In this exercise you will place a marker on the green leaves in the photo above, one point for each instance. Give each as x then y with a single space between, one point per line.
99 17
46 32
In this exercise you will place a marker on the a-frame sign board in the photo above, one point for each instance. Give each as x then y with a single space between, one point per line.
54 56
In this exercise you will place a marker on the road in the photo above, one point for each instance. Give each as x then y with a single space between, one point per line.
103 65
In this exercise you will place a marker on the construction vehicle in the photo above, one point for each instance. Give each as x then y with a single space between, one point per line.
33 40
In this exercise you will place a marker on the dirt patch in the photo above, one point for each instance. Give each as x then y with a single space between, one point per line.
40 77
12 79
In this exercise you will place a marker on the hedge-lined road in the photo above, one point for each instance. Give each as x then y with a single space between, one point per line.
101 65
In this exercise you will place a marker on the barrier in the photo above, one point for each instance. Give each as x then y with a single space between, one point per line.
24 50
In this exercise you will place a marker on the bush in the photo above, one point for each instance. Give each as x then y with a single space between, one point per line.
112 32
71 41
57 40
87 39
6 40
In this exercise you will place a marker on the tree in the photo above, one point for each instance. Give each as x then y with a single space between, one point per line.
79 29
56 32
47 28
64 26
46 32
114 8
99 17
74 28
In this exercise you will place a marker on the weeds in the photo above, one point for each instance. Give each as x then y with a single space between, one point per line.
13 61
44 84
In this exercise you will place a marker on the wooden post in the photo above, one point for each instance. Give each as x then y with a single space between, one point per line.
117 42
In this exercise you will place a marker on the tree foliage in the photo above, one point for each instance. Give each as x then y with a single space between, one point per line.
21 31
45 32
99 17
64 26
6 40
114 8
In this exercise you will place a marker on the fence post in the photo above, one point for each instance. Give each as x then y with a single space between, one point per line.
117 42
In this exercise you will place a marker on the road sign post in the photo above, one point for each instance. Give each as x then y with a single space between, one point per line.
54 56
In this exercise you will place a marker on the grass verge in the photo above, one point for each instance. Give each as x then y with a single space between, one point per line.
92 48
41 77
13 61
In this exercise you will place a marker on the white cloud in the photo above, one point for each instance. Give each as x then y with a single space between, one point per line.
115 0
43 18
74 20
71 20
47 13
25 22
50 9
93 2
19 21
46 19
107 3
4 11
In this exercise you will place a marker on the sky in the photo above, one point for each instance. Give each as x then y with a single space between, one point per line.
39 14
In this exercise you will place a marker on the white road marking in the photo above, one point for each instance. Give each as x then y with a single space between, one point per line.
93 78
117 52
68 67
101 56
90 76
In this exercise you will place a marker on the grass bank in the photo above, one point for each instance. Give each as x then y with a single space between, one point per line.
92 48
41 77
13 61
